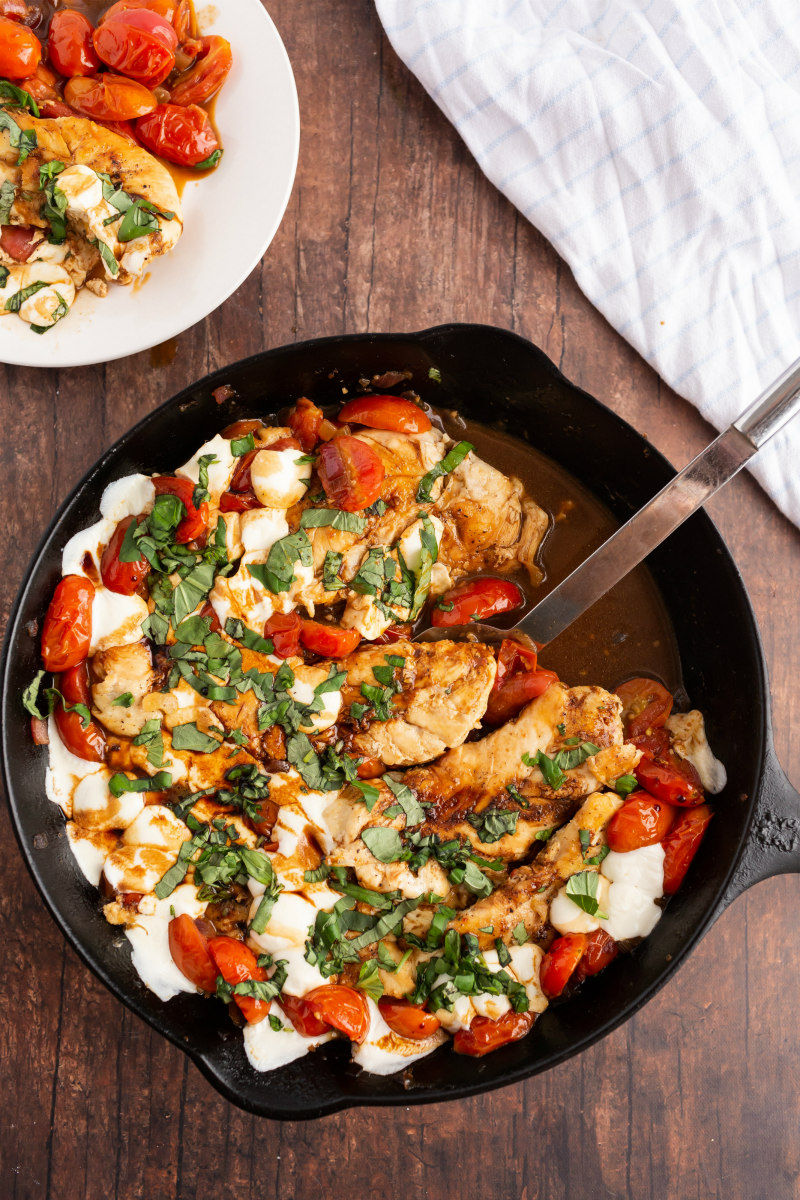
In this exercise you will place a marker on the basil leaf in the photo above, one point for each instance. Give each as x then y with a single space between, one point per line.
107 255
582 890
242 445
330 571
208 163
120 783
18 97
177 872
4 274
476 881
568 759
383 844
369 793
275 1023
59 312
520 933
15 302
429 555
258 866
23 140
494 823
189 737
277 575
369 980
253 641
318 875
544 835
201 493
124 700
415 814
54 209
140 219
152 738
625 784
370 578
193 630
193 589
449 463
552 774
30 696
156 628
336 518
7 196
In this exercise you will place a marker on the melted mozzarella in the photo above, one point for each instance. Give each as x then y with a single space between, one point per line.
149 939
637 880
279 480
219 472
88 855
260 528
88 209
42 307
94 807
267 1048
411 542
156 825
689 740
383 1052
116 620
525 963
65 770
303 692
126 497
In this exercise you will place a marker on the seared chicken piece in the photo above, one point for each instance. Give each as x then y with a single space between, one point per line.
116 671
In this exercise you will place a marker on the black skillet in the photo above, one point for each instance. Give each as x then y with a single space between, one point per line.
491 375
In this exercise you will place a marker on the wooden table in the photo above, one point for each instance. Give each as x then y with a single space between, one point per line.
391 226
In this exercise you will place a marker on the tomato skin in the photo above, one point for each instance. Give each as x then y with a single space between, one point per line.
241 480
182 135
19 241
67 628
139 44
89 743
241 429
302 1016
601 949
370 768
304 421
69 44
681 845
190 953
267 816
283 630
476 601
342 1007
184 20
485 1035
208 73
236 963
519 679
234 502
408 1020
108 97
39 731
164 8
385 412
350 472
194 523
642 821
329 641
124 578
208 612
20 50
646 704
670 779
560 962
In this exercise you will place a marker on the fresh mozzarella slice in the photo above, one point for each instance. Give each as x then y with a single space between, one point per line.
279 479
149 939
219 472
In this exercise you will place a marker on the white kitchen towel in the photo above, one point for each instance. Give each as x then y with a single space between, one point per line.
656 144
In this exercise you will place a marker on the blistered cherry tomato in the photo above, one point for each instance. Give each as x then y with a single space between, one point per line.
476 601
642 821
39 731
208 73
681 845
485 1035
265 814
109 97
601 949
342 1007
670 779
646 704
240 480
89 743
164 8
18 241
15 10
236 963
67 629
122 577
208 612
302 1016
329 641
304 421
519 679
190 953
194 523
559 963
407 1019
20 50
385 412
370 768
239 502
137 43
184 20
283 630
350 472
181 134
69 44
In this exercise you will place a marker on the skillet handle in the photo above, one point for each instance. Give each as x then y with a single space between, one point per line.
773 847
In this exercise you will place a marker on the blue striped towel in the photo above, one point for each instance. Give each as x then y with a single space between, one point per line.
656 144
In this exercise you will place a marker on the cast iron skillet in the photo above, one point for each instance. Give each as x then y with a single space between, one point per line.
491 375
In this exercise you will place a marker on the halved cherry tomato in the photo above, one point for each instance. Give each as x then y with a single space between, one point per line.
670 779
476 600
137 43
329 641
601 949
642 821
233 502
264 822
240 429
69 44
208 612
646 704
236 963
182 134
39 731
385 412
208 73
304 421
67 628
370 768
407 1019
240 480
18 241
109 97
681 845
122 577
342 1007
89 743
559 963
20 50
350 472
302 1016
190 953
518 680
485 1035
194 523
184 20
283 630
164 8
395 633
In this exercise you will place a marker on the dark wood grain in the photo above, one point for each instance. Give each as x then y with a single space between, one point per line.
391 226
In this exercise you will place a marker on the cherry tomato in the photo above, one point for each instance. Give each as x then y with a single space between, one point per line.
240 480
518 680
642 821
67 629
646 704
342 1007
670 779
601 949
233 502
137 43
208 612
283 630
240 429
329 641
207 75
164 8
370 768
236 963
302 1016
69 44
89 743
18 241
350 472
123 578
559 963
485 1035
109 97
20 50
15 10
395 633
194 523
476 601
263 823
408 1020
681 844
39 731
184 20
385 412
190 953
181 134
304 421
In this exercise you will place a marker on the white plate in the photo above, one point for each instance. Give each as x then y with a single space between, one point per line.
230 218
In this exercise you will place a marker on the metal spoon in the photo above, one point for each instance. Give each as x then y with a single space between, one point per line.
632 542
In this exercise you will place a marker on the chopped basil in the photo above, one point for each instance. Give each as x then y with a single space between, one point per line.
318 875
59 312
30 696
193 589
253 641
193 630
242 445
177 872
544 835
201 493
336 518
407 801
494 823
189 737
274 888
446 607
520 933
576 754
120 783
152 738
502 952
466 974
20 139
275 1023
376 510
449 463
330 571
4 274
55 202
7 196
124 700
429 555
582 890
211 161
369 793
277 574
107 255
383 844
257 989
435 374
17 97
369 981
387 963
15 302
140 219
625 784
